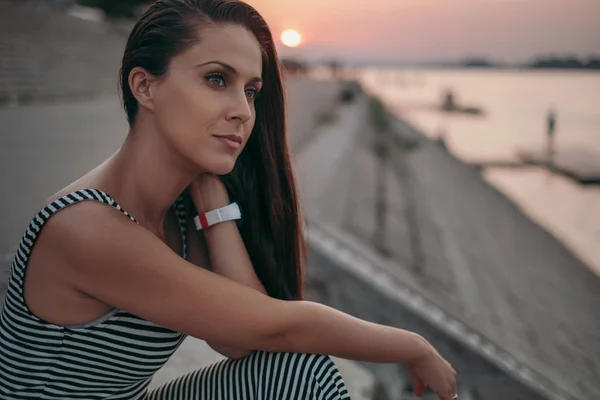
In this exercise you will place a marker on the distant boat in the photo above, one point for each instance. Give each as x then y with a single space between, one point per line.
449 105
467 110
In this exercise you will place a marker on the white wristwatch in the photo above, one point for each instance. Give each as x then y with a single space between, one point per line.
228 213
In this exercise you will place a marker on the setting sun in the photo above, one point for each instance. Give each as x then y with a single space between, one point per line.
291 38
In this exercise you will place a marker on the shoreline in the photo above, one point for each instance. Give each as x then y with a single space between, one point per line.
504 177
508 143
477 254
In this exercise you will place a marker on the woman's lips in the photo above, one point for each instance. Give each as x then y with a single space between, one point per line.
233 142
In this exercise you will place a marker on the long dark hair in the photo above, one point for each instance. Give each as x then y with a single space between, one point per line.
262 180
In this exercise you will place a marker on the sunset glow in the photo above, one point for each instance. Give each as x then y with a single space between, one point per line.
436 29
291 38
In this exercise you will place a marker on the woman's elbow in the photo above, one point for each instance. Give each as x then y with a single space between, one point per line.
236 354
239 353
229 352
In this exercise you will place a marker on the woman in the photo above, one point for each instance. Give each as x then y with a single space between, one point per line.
101 297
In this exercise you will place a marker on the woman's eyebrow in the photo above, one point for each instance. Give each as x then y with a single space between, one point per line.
229 68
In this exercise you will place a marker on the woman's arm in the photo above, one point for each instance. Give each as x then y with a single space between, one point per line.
199 254
225 247
221 247
125 266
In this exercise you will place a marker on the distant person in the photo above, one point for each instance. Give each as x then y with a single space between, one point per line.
550 134
143 250
449 103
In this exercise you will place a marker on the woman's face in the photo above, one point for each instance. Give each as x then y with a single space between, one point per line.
205 104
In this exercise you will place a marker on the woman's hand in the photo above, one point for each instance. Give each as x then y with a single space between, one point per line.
431 369
208 192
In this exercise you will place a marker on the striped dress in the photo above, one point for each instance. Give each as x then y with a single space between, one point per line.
116 356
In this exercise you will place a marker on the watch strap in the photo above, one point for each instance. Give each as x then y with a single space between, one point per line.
207 219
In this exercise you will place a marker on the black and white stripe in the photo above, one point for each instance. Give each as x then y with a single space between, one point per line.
113 357
260 376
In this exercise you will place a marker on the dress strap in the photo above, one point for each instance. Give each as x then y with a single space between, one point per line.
181 217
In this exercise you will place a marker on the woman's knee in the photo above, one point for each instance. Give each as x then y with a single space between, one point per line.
310 375
316 364
328 379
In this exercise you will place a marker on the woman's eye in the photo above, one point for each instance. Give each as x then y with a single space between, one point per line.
251 93
216 80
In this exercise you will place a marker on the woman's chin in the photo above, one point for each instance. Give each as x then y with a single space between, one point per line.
221 168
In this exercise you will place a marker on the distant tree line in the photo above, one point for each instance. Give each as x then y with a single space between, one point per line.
540 62
569 63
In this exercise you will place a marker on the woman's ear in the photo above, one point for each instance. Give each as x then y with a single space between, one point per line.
141 84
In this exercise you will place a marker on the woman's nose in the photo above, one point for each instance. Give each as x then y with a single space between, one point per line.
241 108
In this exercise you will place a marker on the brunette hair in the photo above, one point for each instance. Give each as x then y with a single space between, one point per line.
262 181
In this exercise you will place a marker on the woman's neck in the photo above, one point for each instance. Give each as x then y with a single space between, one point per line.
146 175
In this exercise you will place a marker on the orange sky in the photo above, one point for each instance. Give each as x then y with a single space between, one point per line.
506 30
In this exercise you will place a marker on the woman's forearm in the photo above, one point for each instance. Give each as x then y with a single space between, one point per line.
228 255
307 327
315 328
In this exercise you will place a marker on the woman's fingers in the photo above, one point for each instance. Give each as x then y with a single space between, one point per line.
448 394
434 371
418 385
455 389
450 390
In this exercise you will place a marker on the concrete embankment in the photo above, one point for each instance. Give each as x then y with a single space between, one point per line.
449 238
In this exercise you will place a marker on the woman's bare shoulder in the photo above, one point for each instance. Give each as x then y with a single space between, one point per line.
86 225
90 180
85 182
